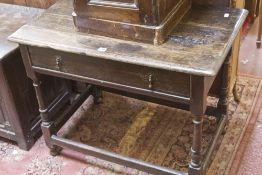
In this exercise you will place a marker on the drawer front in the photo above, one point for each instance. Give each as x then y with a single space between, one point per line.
102 70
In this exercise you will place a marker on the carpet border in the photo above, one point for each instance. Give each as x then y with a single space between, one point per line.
235 161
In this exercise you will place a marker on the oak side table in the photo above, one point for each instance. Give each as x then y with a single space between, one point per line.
179 73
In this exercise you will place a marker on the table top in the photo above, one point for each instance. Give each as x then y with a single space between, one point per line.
11 18
198 45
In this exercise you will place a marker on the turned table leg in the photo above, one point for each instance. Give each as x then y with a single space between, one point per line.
259 25
198 109
224 90
199 93
195 166
47 125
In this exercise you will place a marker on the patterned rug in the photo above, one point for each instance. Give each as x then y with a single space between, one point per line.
145 131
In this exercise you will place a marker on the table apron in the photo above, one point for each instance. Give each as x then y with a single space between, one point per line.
157 83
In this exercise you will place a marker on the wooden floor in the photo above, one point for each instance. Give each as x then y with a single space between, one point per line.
251 146
250 59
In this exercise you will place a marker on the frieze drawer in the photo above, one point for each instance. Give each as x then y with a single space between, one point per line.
99 71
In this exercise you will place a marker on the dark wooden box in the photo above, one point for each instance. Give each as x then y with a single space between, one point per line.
142 20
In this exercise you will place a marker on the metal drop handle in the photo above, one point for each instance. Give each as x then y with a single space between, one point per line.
150 80
59 61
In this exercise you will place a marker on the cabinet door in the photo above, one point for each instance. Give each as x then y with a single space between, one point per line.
2 118
4 124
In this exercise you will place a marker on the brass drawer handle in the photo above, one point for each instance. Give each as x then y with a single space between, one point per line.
58 60
150 80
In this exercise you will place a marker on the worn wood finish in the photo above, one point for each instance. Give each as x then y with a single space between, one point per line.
137 76
143 20
189 49
150 13
259 26
236 46
191 59
19 115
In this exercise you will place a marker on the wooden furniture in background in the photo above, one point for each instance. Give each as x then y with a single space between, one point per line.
178 73
240 4
259 25
145 21
251 6
19 114
31 3
237 3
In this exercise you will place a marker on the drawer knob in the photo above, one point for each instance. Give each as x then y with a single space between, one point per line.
150 80
58 62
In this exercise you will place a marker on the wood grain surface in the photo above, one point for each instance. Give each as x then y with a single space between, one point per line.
198 45
11 18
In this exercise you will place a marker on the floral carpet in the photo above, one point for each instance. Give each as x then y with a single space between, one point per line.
145 131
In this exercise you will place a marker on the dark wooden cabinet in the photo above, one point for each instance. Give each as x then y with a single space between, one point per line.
140 20
18 102
19 112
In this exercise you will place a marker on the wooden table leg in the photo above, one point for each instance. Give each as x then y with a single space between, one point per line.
198 108
47 107
98 95
224 92
195 166
259 25
44 112
43 108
